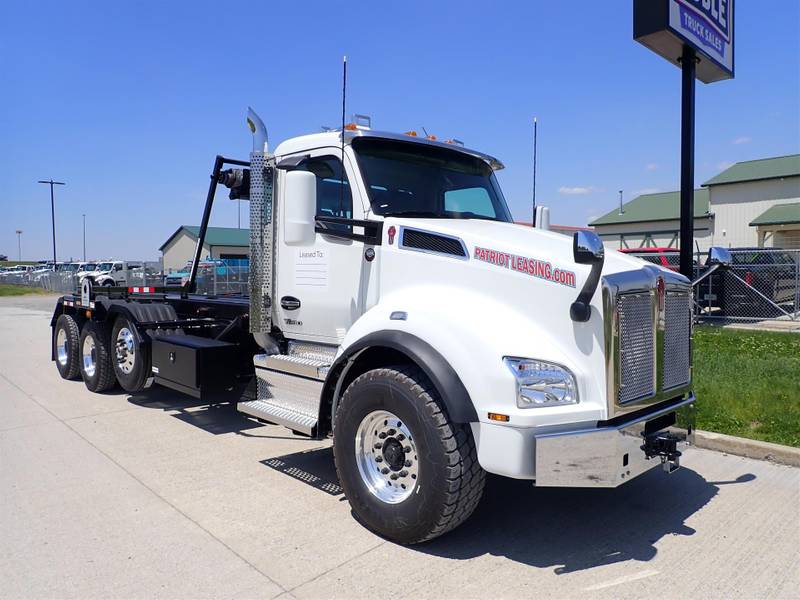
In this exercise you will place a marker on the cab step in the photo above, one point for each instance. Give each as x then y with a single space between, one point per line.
289 389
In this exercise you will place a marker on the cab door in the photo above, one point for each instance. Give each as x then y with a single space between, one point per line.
319 285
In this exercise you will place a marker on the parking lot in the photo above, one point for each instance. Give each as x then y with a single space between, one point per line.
155 495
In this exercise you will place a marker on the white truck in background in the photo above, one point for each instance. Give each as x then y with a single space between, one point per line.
395 307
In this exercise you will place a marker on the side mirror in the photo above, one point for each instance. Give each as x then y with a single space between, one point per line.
300 207
719 256
587 248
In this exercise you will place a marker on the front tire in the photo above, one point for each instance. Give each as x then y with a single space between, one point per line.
131 360
66 339
96 368
409 474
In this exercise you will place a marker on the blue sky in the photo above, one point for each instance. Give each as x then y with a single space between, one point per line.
129 102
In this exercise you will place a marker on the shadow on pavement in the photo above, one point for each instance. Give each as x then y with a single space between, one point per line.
215 418
313 467
572 529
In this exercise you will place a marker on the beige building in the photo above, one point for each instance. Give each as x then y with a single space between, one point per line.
220 242
757 203
753 203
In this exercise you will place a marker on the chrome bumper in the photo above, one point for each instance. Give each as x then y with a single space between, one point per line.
606 456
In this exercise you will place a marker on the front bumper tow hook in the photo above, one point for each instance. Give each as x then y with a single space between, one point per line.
663 444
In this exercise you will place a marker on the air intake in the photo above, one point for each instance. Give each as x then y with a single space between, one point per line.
435 243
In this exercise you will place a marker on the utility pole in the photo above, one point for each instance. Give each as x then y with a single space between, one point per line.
19 245
688 71
84 237
51 183
533 209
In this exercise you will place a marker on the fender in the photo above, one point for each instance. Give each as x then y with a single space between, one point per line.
446 381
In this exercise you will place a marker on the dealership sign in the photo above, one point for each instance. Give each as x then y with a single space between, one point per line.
665 26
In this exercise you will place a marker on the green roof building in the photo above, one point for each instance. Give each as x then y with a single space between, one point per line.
220 242
751 203
653 221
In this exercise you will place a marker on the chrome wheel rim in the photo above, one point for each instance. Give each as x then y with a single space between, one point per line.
89 354
386 456
125 349
62 351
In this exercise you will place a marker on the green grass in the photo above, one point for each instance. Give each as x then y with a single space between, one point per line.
748 383
20 290
14 263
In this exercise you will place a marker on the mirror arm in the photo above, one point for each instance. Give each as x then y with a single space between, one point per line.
581 310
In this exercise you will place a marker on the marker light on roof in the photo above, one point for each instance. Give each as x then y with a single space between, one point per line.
411 133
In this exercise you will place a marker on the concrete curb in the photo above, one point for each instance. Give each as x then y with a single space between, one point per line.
729 444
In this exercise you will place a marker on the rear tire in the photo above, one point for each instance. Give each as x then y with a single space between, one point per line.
66 339
131 359
96 368
409 474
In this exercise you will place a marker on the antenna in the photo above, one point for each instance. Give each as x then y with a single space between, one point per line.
621 208
533 213
344 105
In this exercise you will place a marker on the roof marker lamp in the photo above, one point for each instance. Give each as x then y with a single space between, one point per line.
541 384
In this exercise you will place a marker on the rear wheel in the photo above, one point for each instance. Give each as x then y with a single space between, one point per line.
131 360
65 347
96 368
409 474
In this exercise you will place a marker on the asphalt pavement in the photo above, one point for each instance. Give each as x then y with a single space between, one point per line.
157 496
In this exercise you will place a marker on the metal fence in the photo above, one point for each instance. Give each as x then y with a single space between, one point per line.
66 281
759 284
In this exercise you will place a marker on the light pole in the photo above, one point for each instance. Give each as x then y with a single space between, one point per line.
84 237
19 245
51 183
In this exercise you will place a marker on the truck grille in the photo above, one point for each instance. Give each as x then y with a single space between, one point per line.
636 347
677 340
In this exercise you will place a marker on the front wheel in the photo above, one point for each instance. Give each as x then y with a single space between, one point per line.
409 474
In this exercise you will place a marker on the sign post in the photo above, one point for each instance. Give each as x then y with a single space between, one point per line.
696 35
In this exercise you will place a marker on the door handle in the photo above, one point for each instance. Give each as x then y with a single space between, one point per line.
290 303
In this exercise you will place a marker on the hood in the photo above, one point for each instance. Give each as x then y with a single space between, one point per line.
482 237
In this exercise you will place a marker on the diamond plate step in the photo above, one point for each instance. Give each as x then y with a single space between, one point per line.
280 415
294 365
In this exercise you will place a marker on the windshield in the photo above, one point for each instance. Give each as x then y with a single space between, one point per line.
107 266
70 267
415 180
88 267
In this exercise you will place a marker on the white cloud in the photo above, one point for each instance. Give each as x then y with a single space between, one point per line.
742 140
575 191
651 166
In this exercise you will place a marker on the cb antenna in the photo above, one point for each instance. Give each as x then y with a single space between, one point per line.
344 100
533 208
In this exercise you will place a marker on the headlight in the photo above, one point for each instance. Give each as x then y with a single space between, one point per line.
541 383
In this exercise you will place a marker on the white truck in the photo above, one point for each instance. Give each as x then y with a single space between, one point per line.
395 307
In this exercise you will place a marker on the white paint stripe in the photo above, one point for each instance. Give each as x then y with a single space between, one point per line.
621 580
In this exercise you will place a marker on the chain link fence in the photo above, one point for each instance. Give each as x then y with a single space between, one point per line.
760 284
66 278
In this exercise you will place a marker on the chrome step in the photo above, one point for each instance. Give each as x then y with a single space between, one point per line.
280 415
294 365
321 352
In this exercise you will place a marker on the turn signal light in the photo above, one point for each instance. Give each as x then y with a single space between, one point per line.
498 417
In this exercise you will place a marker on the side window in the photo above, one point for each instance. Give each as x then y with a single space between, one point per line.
474 200
333 189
